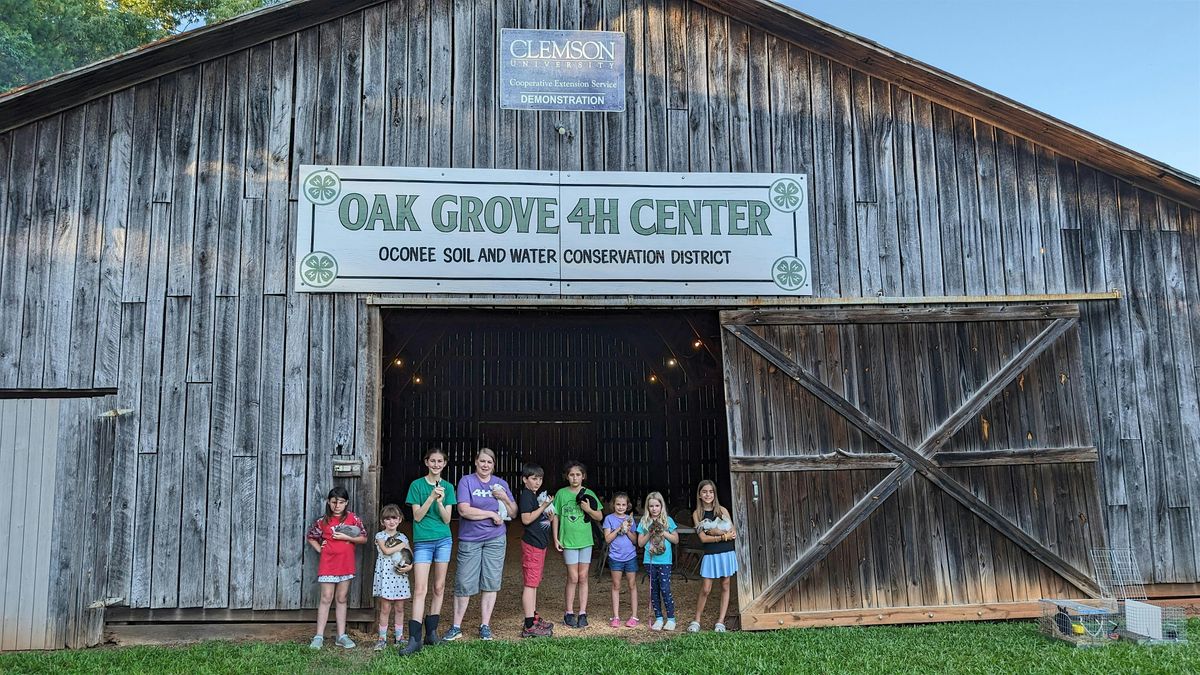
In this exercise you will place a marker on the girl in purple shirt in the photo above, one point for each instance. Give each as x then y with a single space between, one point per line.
621 535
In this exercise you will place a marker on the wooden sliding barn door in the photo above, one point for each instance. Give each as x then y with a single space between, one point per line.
909 464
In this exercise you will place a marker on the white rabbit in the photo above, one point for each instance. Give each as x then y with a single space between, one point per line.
715 525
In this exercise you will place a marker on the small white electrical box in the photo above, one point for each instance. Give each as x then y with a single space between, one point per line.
347 468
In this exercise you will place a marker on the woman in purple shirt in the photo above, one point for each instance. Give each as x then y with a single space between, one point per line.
484 503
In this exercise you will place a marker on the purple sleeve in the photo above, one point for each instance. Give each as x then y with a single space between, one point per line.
463 492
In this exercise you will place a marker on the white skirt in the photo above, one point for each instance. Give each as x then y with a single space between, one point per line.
334 578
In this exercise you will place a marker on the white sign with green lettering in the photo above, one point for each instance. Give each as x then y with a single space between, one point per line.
414 230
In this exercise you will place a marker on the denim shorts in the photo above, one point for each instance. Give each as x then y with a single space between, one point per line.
437 550
629 566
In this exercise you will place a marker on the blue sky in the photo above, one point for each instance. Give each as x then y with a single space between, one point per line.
1127 71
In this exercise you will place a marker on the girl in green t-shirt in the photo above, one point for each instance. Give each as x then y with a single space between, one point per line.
574 508
430 497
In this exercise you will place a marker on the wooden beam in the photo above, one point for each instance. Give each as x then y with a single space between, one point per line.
1190 606
892 615
902 314
174 634
732 302
55 393
827 462
201 615
917 461
1183 590
883 460
949 460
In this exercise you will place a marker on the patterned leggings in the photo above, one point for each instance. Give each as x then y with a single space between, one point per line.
660 582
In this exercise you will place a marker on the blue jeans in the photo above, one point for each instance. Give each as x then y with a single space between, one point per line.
660 584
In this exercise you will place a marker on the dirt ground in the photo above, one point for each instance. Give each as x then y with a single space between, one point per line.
507 619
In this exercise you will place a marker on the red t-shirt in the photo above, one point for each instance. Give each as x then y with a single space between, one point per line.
337 556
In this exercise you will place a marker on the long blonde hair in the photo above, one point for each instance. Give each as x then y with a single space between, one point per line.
718 510
662 513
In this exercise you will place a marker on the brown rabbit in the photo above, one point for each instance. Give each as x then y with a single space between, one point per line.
657 544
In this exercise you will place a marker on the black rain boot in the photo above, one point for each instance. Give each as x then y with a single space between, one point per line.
414 639
431 634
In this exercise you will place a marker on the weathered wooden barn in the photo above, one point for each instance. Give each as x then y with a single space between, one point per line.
997 372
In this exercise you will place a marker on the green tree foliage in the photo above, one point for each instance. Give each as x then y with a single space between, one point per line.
40 38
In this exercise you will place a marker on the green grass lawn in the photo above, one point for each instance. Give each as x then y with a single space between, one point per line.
1014 647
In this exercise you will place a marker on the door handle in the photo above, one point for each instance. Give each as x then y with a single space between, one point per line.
754 485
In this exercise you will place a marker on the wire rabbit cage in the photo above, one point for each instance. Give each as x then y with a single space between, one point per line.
1140 621
1082 623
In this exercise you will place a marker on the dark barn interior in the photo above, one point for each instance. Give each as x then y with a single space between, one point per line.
637 396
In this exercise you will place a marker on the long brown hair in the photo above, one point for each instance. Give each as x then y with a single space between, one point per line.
336 492
718 510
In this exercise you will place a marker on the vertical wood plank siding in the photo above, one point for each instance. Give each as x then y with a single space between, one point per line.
147 243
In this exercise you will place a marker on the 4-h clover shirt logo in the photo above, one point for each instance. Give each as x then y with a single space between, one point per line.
322 187
786 195
572 512
789 273
318 269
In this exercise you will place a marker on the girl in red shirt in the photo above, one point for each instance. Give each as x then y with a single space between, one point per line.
334 536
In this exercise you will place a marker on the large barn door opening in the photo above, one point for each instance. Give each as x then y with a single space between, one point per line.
898 465
636 396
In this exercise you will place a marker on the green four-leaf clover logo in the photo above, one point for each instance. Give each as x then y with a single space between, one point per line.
322 187
786 195
789 273
318 269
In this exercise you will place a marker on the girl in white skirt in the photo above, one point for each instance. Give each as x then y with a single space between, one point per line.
714 527
391 573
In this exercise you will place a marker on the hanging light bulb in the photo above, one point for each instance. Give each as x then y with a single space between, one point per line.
653 377
417 379
697 343
672 363
398 362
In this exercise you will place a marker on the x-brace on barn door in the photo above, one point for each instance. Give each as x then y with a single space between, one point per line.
833 412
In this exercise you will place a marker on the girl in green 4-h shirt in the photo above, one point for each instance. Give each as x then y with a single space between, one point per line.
575 507
431 498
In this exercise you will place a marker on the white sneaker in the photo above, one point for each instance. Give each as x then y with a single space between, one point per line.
658 623
720 628
670 625
345 642
694 627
